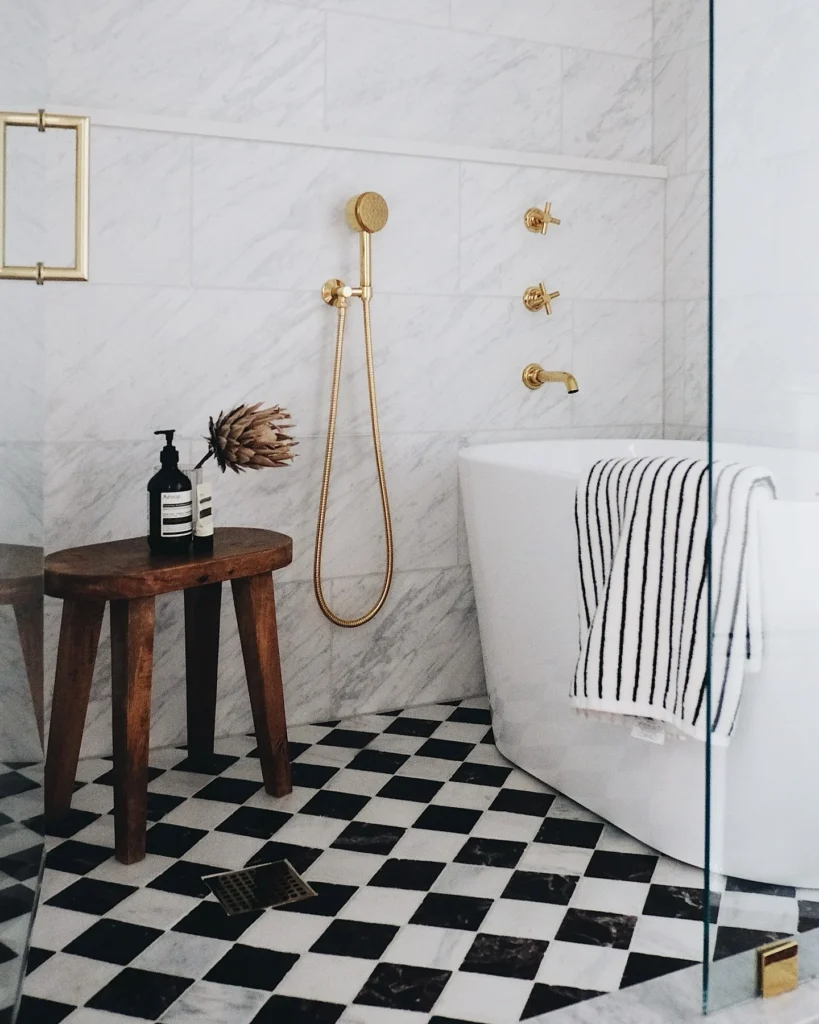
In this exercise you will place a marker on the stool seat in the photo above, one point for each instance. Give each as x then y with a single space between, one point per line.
126 568
125 574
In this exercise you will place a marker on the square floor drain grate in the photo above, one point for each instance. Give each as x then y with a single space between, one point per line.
259 887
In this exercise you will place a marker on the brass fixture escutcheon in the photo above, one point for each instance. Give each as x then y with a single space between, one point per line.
538 221
329 290
537 298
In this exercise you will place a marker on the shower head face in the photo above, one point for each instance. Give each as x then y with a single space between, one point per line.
367 212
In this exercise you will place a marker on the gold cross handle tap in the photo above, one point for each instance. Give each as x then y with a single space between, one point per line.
537 298
539 220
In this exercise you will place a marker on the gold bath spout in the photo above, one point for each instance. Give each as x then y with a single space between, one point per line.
534 376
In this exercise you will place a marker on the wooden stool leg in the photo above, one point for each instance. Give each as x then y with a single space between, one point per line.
76 655
202 610
29 616
256 616
132 652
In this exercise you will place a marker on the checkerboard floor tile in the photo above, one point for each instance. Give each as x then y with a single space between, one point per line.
451 887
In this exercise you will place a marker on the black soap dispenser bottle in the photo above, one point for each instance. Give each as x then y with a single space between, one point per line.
170 504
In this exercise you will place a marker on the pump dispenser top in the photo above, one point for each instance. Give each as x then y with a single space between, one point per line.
169 456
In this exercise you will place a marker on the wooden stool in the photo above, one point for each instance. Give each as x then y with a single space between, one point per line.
126 574
21 586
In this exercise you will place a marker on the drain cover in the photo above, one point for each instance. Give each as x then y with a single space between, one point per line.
265 885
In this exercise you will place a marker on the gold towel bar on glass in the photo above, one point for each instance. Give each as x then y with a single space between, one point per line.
40 272
539 220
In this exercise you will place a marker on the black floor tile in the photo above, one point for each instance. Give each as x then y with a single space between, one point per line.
680 902
250 967
505 956
760 888
139 993
739 940
412 727
540 887
254 821
23 865
36 957
69 826
12 783
293 749
643 967
185 878
298 1011
592 928
482 774
7 954
398 987
355 938
545 998
568 832
91 896
230 791
624 867
301 857
77 858
496 853
115 942
210 764
449 750
448 819
42 1011
367 837
808 915
440 910
311 776
172 840
210 920
329 900
407 874
346 738
329 804
15 901
477 716
160 804
403 787
519 801
378 761
109 777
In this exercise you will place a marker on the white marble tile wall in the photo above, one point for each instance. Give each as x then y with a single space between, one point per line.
207 258
560 76
680 132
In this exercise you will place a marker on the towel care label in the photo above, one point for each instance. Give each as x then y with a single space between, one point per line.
176 509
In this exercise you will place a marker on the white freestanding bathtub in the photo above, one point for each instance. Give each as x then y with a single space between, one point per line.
519 506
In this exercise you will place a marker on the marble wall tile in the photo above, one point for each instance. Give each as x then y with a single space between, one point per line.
679 24
240 60
609 26
23 79
423 647
686 254
696 363
140 207
421 12
618 362
697 107
671 84
272 216
674 362
21 493
22 387
609 245
606 106
27 228
442 86
19 739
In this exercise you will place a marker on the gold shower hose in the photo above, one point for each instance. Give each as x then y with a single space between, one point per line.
341 303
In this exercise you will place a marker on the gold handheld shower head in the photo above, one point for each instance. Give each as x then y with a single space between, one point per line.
367 212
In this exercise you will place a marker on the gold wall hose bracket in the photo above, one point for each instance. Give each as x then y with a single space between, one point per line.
366 213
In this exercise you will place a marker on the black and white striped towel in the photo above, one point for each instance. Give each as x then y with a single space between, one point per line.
642 529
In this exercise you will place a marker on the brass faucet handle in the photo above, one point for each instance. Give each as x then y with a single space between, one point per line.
539 220
537 298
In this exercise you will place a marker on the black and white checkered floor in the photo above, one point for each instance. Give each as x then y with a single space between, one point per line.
452 887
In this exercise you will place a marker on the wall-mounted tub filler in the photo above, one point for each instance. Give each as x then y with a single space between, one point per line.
366 214
534 376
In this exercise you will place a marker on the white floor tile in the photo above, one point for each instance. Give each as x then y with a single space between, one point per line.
195 813
350 780
65 978
381 1015
464 794
484 999
553 859
472 880
394 743
216 1004
55 927
574 965
668 936
438 769
610 896
427 844
288 933
382 906
311 830
563 807
383 811
617 841
503 825
290 804
190 956
755 911
154 908
524 920
141 873
434 712
334 979
345 867
224 850
421 946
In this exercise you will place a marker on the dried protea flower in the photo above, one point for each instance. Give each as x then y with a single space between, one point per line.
249 437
